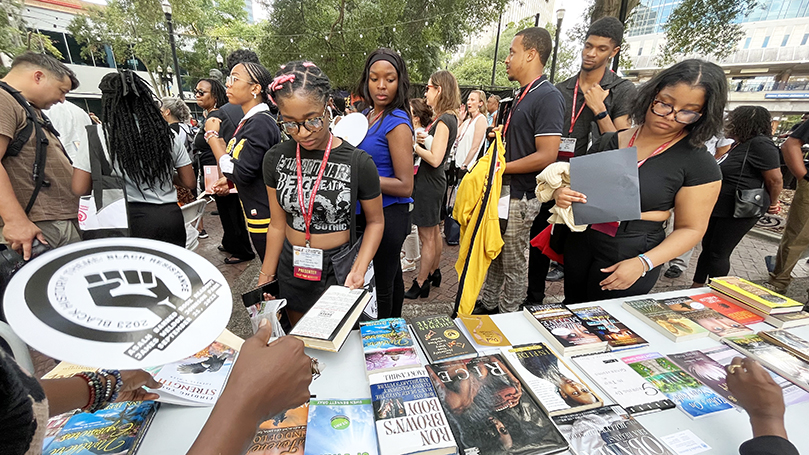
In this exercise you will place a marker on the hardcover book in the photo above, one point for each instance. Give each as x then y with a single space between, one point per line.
197 380
608 430
673 326
692 397
796 345
563 329
608 328
717 325
441 340
727 308
340 427
484 334
546 377
706 370
773 357
623 384
387 345
753 295
283 434
117 429
488 412
408 415
327 324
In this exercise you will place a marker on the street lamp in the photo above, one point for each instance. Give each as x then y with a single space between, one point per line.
220 61
560 14
165 78
167 11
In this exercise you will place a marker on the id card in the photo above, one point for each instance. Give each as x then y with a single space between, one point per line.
307 263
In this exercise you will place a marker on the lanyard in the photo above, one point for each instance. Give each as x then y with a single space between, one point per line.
513 108
463 133
573 116
657 150
307 215
376 117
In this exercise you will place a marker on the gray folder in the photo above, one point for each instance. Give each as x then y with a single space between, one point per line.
609 179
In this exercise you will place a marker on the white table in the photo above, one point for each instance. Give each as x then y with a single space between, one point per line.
175 427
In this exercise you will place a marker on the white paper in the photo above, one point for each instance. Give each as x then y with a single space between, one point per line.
685 443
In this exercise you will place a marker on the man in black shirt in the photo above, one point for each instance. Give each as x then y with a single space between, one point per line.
532 131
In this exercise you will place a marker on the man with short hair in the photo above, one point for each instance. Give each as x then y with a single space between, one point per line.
52 218
532 132
492 109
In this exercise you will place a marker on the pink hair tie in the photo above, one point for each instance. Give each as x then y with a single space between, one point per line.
277 83
309 65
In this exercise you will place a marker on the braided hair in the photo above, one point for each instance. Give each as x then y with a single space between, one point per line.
218 92
300 76
259 75
137 136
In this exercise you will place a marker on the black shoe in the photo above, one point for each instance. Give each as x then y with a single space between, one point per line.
435 278
480 309
673 272
417 291
215 213
555 274
770 262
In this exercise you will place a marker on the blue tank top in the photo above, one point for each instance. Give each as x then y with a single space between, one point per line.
376 145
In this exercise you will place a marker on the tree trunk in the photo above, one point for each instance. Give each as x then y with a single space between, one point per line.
603 8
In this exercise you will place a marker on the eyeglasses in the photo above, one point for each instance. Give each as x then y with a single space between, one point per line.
200 93
313 125
429 86
230 80
683 116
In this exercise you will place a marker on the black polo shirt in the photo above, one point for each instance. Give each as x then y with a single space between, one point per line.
619 103
538 114
801 133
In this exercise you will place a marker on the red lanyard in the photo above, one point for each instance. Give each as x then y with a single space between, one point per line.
513 108
376 117
657 150
307 215
573 116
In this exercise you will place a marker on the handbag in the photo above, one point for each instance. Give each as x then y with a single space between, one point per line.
104 213
752 203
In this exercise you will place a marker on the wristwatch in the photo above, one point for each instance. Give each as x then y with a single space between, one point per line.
601 115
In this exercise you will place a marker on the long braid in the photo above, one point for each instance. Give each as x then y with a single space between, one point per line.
138 137
300 75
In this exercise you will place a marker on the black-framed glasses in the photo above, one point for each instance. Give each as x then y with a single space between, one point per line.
683 116
200 93
313 125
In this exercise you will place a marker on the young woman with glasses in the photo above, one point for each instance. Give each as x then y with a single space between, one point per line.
308 184
241 161
676 112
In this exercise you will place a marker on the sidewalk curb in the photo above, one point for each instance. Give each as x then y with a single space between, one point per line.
765 235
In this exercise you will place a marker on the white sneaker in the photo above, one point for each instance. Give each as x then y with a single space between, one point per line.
408 265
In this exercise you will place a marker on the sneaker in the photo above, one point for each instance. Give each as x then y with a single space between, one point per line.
555 274
770 262
673 272
408 265
202 234
771 287
480 309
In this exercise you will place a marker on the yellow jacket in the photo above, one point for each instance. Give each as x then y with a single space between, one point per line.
477 214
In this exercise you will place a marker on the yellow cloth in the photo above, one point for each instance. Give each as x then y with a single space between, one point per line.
553 177
487 242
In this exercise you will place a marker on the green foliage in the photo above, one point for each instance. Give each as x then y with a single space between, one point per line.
15 38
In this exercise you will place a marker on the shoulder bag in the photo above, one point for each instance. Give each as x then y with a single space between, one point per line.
104 213
750 203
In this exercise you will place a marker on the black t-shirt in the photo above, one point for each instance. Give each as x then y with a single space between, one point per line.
585 130
768 445
801 133
538 114
202 148
232 112
662 176
762 155
331 211
21 400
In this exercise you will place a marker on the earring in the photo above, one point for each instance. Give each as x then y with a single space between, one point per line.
254 96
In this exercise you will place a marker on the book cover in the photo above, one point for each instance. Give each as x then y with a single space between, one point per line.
408 414
387 345
796 345
66 370
608 430
488 411
773 357
706 370
55 425
284 434
727 308
567 330
197 380
114 430
692 397
792 393
784 320
484 331
623 384
609 328
440 339
719 326
755 295
557 389
340 427
674 326
326 325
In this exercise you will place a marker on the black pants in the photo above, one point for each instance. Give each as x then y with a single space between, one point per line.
235 238
162 222
538 263
721 237
387 264
586 253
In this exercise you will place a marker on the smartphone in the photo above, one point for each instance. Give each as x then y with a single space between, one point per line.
256 295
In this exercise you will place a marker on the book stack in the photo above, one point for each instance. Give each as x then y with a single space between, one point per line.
387 345
564 330
716 324
441 340
776 309
676 327
607 327
773 356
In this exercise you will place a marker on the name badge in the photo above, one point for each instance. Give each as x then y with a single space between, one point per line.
568 145
307 263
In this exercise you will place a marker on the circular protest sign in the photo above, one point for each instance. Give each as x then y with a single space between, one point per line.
118 303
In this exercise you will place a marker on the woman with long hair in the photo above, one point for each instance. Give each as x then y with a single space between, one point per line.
472 132
143 150
211 95
433 147
675 113
385 85
752 162
241 161
309 187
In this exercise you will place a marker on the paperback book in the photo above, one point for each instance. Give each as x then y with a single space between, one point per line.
487 411
773 357
673 326
796 345
706 370
717 325
546 377
783 320
608 430
484 334
387 345
408 414
756 296
608 328
623 384
340 427
441 339
283 434
691 396
55 425
563 329
727 308
197 380
327 324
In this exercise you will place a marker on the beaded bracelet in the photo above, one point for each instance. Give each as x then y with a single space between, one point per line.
97 391
209 134
119 382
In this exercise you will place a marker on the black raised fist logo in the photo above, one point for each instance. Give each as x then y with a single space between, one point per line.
132 289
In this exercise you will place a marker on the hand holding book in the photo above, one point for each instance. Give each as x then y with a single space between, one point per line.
759 395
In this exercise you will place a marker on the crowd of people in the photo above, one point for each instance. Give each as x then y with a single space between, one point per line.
319 211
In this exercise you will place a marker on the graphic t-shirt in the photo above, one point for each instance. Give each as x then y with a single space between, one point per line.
331 212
